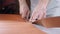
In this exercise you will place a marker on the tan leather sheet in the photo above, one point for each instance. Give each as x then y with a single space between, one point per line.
50 22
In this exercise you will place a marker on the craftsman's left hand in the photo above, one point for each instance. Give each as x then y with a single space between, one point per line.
24 11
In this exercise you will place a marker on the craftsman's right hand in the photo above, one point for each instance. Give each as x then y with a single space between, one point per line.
38 14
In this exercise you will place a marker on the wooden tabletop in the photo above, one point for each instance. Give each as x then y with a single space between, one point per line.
13 27
11 17
9 26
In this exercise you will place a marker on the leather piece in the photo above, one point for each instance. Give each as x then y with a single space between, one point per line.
11 17
38 22
51 22
14 27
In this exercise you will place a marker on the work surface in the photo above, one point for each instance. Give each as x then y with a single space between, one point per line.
18 28
11 24
11 17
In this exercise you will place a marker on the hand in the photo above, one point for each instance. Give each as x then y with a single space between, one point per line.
37 14
24 11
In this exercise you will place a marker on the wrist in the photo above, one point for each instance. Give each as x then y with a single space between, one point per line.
41 7
22 2
43 3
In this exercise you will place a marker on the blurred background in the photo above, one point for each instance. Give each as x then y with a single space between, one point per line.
53 8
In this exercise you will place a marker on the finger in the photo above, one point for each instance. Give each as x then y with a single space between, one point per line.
23 15
27 15
32 20
34 16
40 16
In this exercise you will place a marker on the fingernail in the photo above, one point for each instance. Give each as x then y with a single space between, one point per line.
32 20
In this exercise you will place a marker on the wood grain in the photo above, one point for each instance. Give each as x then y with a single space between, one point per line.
11 17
